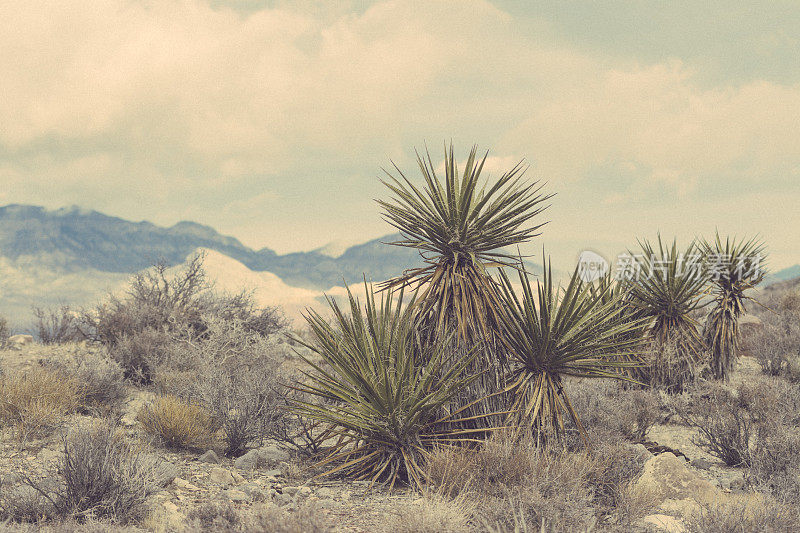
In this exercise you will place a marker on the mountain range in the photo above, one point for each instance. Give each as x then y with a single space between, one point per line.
74 239
74 256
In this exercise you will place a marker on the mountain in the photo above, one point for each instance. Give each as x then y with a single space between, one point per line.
72 239
785 274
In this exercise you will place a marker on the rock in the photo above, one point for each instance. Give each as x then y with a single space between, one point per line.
167 473
664 522
20 340
282 499
326 492
733 481
237 477
235 495
221 476
640 451
248 461
291 491
254 491
327 503
183 484
701 463
209 457
264 457
678 489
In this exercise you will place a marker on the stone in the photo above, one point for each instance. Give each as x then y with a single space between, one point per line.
640 451
702 464
273 455
20 340
235 495
254 491
273 473
209 457
248 461
664 522
237 477
185 485
668 480
221 476
282 499
167 473
291 491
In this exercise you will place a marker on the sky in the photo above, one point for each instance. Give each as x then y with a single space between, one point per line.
271 121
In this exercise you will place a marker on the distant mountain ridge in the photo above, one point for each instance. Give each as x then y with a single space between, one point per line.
74 239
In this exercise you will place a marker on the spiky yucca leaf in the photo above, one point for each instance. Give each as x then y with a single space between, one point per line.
551 333
667 289
383 391
460 226
734 267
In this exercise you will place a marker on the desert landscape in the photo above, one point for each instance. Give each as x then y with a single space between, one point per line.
411 266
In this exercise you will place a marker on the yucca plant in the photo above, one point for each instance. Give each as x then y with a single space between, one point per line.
733 267
667 288
382 391
461 224
550 333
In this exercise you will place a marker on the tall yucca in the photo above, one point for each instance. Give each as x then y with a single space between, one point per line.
667 288
461 223
382 391
733 267
550 333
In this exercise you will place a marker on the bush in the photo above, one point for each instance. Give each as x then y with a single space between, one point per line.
100 379
178 424
56 326
140 353
610 410
725 427
431 514
777 345
100 476
752 516
224 518
236 379
36 402
5 331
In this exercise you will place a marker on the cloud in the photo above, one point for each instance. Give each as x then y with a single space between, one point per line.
273 122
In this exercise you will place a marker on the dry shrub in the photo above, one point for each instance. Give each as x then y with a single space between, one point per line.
101 379
429 514
178 424
611 411
224 518
775 461
672 366
236 380
100 476
777 345
35 402
141 352
5 332
725 427
56 325
745 516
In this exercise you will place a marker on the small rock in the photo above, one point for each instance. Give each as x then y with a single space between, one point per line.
665 522
221 476
209 457
291 491
248 461
327 503
235 495
345 495
272 473
183 484
700 463
167 473
253 491
326 492
237 477
20 340
282 499
273 454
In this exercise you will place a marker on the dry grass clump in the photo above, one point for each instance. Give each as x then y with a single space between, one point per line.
746 516
430 514
100 378
35 402
100 476
225 518
178 424
512 482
